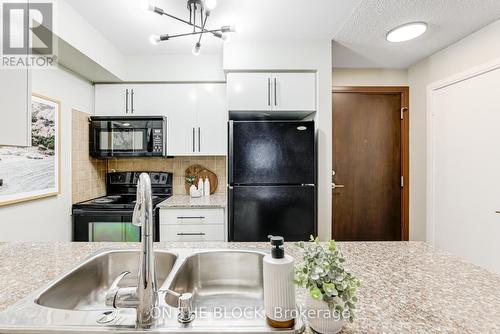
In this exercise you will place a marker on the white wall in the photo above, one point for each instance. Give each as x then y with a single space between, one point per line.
174 67
75 30
50 219
298 55
478 48
369 77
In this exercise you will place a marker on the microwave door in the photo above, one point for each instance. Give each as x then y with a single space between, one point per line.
124 142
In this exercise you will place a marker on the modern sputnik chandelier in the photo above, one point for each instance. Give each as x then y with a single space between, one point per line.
199 12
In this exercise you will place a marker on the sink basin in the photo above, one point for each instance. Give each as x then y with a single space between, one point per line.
225 279
85 287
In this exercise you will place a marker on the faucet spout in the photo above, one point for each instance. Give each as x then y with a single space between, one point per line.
146 289
145 296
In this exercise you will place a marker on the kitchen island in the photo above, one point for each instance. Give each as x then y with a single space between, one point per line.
407 287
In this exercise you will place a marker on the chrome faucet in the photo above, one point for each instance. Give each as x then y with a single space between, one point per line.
144 297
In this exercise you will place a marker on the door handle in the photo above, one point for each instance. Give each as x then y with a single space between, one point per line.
199 139
275 95
337 185
191 234
131 101
126 101
193 140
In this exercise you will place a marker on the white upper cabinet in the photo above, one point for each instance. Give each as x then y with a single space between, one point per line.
180 109
112 100
271 91
196 113
249 91
212 117
147 100
294 91
15 105
129 100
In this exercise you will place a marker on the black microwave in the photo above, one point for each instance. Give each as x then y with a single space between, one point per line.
128 136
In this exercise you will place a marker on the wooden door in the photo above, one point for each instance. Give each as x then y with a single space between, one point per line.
369 164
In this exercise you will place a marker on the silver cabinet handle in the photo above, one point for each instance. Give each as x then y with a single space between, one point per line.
126 101
191 234
187 217
275 95
269 91
337 185
199 139
193 140
132 101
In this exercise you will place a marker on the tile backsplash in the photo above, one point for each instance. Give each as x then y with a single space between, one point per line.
176 165
88 174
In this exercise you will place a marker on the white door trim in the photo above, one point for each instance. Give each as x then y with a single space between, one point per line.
431 90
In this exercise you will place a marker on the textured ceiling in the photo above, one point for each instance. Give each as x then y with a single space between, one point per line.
361 41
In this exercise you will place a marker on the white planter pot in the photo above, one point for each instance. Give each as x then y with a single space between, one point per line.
320 317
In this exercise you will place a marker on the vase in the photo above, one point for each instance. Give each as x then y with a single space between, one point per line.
321 318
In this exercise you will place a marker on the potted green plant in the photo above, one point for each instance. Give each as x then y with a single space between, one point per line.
331 290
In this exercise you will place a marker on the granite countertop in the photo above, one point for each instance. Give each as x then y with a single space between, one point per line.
407 287
186 201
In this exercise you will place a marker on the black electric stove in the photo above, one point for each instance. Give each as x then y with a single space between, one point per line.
109 218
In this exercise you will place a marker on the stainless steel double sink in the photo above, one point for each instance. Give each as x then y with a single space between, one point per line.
227 290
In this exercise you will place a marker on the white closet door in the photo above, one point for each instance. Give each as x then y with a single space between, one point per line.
466 162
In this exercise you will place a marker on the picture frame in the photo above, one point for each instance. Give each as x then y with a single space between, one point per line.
31 173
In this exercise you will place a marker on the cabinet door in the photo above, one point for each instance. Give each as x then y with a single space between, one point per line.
212 117
294 92
112 100
15 105
249 91
181 118
147 100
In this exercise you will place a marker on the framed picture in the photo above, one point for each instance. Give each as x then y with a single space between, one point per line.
29 173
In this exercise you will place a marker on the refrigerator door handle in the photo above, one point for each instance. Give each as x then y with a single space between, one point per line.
230 226
308 185
230 151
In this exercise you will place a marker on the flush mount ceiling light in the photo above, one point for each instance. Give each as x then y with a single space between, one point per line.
199 11
406 32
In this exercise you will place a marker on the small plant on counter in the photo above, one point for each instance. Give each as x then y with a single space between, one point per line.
323 275
190 179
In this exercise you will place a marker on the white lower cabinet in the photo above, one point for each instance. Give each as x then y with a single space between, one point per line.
187 224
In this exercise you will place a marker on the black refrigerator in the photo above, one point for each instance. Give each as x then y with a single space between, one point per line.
271 180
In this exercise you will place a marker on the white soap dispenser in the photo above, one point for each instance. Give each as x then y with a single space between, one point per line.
206 187
279 287
200 186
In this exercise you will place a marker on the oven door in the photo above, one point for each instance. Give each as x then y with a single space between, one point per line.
108 226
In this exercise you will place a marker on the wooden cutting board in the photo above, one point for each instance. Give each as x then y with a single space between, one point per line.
200 171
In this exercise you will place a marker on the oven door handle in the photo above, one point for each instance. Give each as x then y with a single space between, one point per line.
84 212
